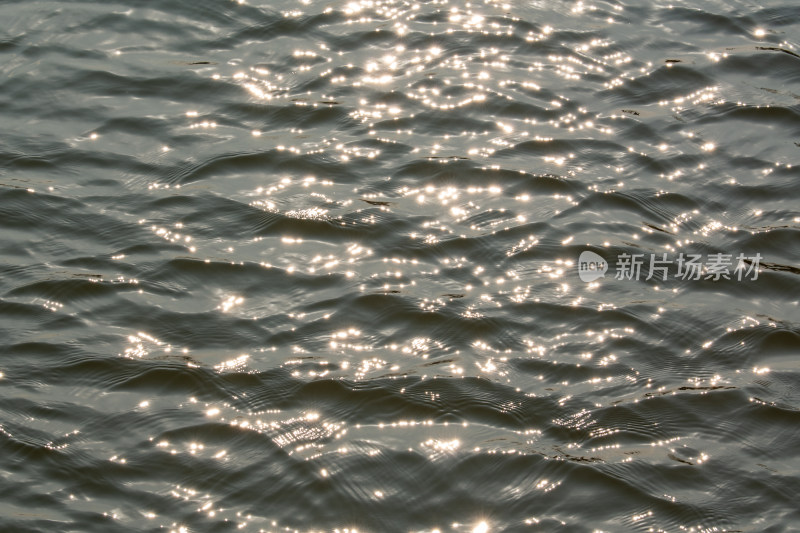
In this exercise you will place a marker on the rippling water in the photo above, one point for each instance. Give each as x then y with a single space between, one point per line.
313 266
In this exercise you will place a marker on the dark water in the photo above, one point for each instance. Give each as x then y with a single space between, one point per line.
313 266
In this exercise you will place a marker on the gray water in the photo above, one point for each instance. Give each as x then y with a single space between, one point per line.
314 266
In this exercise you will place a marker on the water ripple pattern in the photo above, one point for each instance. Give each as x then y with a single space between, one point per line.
314 266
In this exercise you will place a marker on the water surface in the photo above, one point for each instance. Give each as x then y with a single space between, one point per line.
312 266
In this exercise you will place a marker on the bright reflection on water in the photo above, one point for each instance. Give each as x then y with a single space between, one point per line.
313 266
